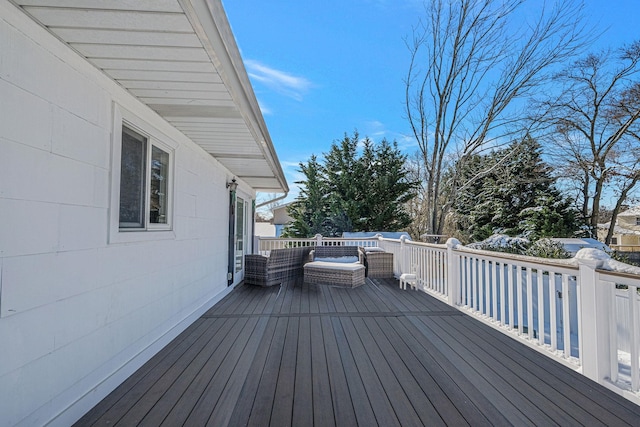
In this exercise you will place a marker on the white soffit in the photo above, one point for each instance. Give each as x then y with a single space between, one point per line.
180 58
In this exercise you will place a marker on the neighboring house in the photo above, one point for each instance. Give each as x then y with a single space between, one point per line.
265 229
626 232
281 218
131 150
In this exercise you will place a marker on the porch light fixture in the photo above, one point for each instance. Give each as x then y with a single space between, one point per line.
233 185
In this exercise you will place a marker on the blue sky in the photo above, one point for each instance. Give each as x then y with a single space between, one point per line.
320 69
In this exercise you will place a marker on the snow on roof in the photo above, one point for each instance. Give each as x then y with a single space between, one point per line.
385 234
617 229
573 245
631 212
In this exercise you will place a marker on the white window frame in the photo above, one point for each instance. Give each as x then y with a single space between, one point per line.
150 231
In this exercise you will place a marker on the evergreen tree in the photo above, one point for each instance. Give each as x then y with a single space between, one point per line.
365 192
343 173
389 189
309 210
517 196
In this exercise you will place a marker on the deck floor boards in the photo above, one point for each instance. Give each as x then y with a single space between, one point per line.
314 355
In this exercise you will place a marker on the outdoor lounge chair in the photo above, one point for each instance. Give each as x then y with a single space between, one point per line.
335 265
281 265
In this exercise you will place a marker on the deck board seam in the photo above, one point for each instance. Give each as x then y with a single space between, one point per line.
336 314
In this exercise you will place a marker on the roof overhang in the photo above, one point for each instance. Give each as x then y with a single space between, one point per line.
180 58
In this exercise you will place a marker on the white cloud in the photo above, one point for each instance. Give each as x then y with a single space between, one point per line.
376 131
280 81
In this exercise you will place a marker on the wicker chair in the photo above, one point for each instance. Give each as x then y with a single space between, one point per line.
379 264
280 266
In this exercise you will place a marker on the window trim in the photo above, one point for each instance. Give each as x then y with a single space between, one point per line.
150 231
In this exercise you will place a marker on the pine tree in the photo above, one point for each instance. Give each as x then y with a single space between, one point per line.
343 171
309 210
517 197
365 192
389 189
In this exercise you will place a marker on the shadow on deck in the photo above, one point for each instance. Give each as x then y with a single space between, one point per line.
306 355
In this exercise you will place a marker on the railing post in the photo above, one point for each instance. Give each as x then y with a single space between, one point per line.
405 263
594 307
318 238
453 272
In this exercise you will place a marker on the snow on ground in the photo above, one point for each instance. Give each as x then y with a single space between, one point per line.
624 368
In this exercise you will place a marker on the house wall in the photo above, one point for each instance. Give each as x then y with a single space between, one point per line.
280 215
628 239
78 311
628 222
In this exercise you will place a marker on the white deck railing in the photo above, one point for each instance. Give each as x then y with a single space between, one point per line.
535 301
571 310
264 245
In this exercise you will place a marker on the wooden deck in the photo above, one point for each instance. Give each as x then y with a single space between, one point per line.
304 355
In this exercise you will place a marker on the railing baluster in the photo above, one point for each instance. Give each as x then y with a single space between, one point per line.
491 290
634 326
579 315
520 314
444 279
613 337
497 289
553 325
530 302
467 280
503 296
431 256
424 254
566 320
483 280
541 305
473 279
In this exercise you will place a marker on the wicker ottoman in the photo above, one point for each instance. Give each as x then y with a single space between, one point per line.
347 275
379 265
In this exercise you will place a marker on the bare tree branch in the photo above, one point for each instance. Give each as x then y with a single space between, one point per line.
595 128
469 65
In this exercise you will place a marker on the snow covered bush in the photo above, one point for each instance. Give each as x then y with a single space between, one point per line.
502 243
547 248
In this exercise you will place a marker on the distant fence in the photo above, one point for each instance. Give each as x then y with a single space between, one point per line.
571 310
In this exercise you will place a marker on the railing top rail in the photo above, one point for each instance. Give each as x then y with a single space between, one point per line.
523 259
313 239
619 277
414 243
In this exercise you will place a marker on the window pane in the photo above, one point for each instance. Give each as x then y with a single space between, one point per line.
159 181
132 179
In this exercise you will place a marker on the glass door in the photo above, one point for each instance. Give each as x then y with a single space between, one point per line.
239 227
241 237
